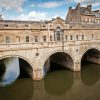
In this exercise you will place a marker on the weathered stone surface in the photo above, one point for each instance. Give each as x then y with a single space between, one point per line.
42 44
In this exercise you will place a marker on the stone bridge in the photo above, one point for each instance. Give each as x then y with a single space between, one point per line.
54 41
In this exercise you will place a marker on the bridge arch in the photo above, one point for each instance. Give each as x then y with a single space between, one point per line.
60 58
19 56
91 55
13 66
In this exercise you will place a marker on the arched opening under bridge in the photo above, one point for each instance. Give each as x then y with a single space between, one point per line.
58 61
12 68
91 56
90 68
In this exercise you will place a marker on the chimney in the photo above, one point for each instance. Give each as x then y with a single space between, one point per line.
70 8
78 5
89 7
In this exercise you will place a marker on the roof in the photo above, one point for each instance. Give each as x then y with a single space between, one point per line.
96 11
82 10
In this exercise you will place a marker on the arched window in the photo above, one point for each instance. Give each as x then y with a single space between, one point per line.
58 34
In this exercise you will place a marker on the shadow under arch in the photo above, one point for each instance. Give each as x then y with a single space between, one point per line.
90 73
12 67
63 59
60 81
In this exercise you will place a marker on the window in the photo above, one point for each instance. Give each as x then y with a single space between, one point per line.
58 36
17 39
71 37
76 37
50 38
36 38
44 25
26 25
87 19
6 25
7 39
44 38
27 38
92 36
50 25
66 37
82 37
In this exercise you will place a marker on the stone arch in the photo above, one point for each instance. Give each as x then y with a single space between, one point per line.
90 55
86 50
58 25
14 66
19 56
55 52
36 26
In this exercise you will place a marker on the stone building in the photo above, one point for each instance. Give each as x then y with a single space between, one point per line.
83 15
41 42
97 16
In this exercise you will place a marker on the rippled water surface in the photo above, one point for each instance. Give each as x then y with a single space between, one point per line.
57 85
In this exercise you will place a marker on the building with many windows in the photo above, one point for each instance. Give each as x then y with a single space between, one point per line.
64 42
83 15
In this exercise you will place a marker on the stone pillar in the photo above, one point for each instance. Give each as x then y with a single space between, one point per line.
77 66
38 74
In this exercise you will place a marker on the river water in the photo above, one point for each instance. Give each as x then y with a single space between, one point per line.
57 85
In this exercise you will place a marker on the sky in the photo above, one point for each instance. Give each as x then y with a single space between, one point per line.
36 10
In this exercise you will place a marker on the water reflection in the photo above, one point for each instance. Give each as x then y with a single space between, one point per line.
58 83
22 89
9 70
90 74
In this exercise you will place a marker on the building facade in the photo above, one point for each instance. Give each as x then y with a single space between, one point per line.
40 42
83 15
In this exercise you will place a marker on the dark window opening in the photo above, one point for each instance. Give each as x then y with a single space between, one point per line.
66 37
82 37
50 38
44 38
71 37
27 38
6 25
36 38
77 37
